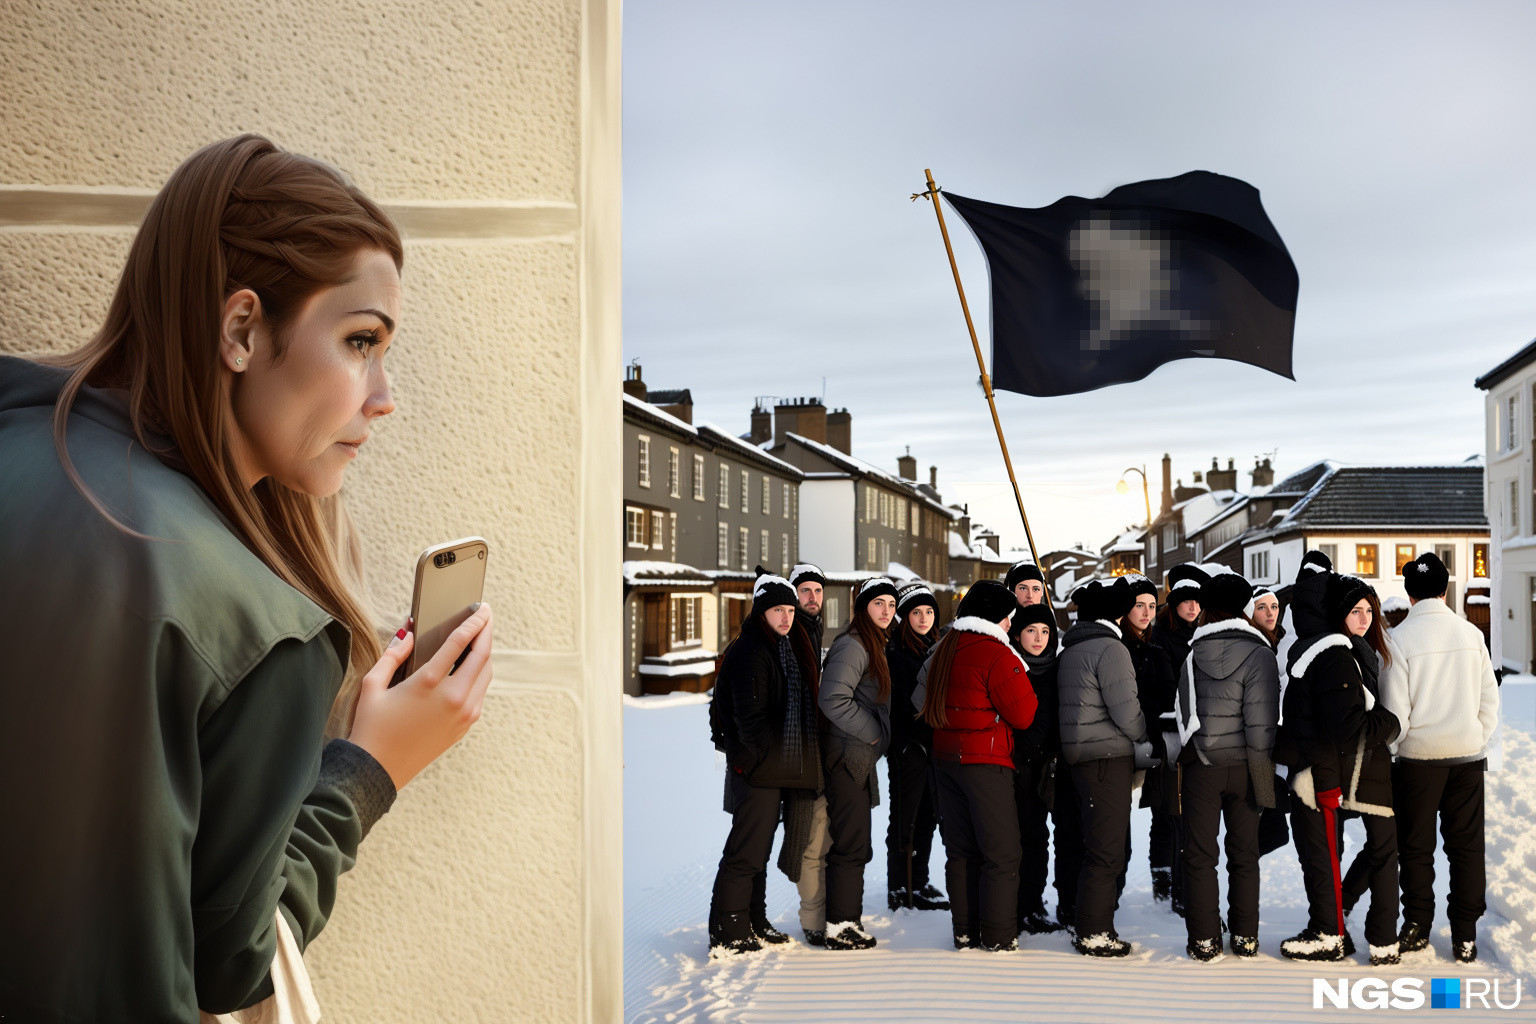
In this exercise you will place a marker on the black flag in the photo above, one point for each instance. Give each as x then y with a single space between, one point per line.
1092 292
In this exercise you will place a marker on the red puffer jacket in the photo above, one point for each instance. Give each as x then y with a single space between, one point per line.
989 696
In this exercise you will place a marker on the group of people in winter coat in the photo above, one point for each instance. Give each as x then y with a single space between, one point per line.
1015 744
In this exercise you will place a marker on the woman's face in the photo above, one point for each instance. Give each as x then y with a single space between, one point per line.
1189 611
1266 611
780 618
1142 611
301 418
920 619
881 610
1034 637
1359 618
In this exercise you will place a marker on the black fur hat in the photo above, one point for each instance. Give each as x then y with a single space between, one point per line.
1097 600
989 600
1021 571
1139 585
1343 593
1226 592
1425 576
1184 583
1311 562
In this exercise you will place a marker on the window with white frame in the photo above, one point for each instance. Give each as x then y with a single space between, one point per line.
674 473
725 486
918 513
1331 552
645 461
784 558
672 543
901 514
746 490
634 526
1170 538
833 608
762 549
1509 423
1199 549
723 546
869 563
741 548
785 496
658 531
1514 506
698 478
767 496
1258 565
687 618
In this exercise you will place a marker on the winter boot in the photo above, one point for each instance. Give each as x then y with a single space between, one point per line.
1245 945
1412 937
1162 884
726 938
1349 944
1066 917
1385 956
1465 951
1101 944
816 936
1011 946
769 934
848 935
1037 922
965 942
1313 945
897 898
1204 950
930 897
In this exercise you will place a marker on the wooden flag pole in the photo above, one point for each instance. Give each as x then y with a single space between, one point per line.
932 195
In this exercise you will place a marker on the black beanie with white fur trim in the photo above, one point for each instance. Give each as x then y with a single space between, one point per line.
805 572
988 600
915 596
877 586
770 591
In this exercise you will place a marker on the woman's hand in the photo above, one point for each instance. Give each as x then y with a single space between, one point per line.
406 727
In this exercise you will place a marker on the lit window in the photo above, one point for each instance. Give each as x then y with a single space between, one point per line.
1480 560
645 462
634 526
1365 561
698 478
674 473
1405 554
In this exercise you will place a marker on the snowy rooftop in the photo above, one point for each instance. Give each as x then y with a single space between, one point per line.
853 464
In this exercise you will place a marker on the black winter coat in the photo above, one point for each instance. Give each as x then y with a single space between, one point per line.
752 711
906 727
815 627
1173 635
1157 677
1042 740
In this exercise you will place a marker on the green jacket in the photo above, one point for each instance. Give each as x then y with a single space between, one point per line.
166 786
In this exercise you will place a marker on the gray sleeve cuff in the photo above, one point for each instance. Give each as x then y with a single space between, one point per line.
350 769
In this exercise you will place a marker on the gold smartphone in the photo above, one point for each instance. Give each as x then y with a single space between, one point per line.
450 580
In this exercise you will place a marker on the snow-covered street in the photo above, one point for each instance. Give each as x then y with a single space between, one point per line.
674 828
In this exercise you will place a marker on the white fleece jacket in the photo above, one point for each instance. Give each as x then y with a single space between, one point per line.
1440 685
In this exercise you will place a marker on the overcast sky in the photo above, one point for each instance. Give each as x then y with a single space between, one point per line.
769 242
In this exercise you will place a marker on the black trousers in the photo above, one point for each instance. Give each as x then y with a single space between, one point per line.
1212 795
912 822
1068 818
1309 831
742 878
1104 798
981 846
1034 837
848 822
1421 791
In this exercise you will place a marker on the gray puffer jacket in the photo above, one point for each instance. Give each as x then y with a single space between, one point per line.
858 722
1096 686
1228 702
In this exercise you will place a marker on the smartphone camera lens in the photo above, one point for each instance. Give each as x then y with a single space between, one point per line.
482 554
445 559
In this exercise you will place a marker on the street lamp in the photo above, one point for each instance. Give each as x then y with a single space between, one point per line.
1124 488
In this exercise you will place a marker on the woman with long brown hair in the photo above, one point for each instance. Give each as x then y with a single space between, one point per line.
179 611
909 761
764 713
855 699
1335 740
974 694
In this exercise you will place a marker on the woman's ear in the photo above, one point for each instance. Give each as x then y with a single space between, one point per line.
240 327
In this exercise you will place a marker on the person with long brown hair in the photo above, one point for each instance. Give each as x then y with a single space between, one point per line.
1156 678
180 613
1335 738
974 693
909 761
855 700
764 712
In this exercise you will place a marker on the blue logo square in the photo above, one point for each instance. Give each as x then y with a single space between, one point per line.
1445 993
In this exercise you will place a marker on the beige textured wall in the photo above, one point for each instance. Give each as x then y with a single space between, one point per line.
493 890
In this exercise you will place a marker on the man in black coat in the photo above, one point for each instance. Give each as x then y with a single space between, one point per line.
809 583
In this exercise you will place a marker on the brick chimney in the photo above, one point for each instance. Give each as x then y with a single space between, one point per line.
963 524
1263 474
933 478
1167 505
762 424
906 465
804 416
676 402
840 433
634 386
1222 479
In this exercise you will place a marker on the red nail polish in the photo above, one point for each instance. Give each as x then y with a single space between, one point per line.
400 635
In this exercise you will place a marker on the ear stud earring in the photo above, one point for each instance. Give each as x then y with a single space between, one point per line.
239 360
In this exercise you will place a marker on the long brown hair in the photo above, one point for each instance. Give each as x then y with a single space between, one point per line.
937 686
912 640
799 640
240 213
873 639
1375 635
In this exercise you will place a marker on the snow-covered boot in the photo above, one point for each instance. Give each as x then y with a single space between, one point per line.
1162 884
1465 951
1011 946
769 934
1245 945
1204 950
1101 944
1385 956
1313 945
1412 937
732 937
965 942
816 936
848 935
930 897
1037 922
